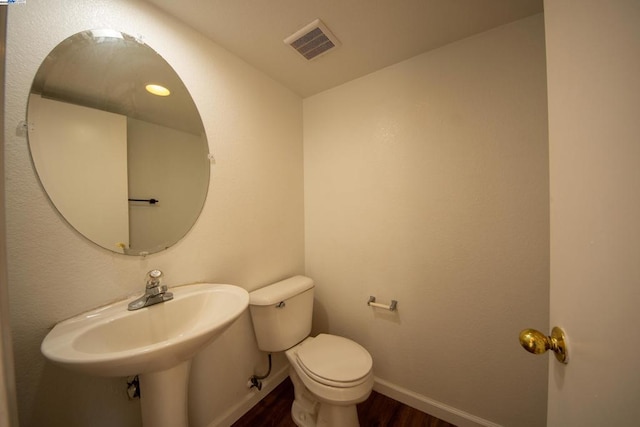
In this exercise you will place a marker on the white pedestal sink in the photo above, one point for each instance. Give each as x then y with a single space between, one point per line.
156 343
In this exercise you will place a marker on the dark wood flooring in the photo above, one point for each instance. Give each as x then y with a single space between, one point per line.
274 410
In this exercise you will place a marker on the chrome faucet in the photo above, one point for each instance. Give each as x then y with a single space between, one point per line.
154 292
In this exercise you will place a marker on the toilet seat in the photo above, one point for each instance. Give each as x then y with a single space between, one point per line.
334 361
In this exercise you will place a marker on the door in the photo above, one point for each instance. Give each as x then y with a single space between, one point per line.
83 167
593 65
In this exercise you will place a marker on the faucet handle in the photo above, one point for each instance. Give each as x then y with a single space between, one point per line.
153 278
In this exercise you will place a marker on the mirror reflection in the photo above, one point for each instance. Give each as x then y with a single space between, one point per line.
127 168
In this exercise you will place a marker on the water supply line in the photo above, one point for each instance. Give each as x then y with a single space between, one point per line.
256 380
133 387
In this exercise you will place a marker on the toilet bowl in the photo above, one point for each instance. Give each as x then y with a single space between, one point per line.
337 374
330 374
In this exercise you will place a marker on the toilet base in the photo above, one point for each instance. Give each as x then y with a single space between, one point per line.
308 411
332 415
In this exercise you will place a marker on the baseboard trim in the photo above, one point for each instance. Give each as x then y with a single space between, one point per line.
432 407
408 397
252 397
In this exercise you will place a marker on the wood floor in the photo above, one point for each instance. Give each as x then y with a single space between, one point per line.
377 411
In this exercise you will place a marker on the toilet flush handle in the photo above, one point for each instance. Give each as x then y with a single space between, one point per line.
281 304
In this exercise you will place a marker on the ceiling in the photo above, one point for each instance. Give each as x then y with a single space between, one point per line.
373 33
108 70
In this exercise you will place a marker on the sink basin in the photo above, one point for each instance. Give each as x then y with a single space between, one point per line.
112 341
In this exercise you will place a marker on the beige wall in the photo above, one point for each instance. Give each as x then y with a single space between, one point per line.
8 406
427 183
250 232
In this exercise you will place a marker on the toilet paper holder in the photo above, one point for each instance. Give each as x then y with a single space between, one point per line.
391 307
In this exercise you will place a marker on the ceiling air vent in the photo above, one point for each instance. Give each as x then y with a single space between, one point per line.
313 40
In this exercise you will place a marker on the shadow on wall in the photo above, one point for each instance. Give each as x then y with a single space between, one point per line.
62 392
320 322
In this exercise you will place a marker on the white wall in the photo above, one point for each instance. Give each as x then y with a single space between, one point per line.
427 182
169 165
593 54
250 232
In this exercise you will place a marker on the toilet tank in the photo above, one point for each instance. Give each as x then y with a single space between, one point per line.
281 313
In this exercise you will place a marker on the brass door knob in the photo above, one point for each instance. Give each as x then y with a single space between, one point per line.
537 343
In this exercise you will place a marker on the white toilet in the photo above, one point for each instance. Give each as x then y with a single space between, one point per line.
330 374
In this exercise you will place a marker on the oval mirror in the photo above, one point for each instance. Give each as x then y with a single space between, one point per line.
128 169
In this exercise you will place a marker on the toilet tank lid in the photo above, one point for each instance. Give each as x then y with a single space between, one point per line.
280 291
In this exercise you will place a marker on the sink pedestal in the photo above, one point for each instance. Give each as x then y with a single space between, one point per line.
163 397
155 342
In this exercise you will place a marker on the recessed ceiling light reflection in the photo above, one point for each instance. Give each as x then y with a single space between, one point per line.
157 90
